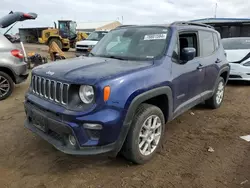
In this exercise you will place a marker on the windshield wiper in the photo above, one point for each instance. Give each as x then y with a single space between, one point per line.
115 57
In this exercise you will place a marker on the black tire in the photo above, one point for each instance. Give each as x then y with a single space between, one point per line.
8 81
130 148
57 41
65 49
212 102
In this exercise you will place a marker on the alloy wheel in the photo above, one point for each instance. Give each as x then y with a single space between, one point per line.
4 86
150 135
220 93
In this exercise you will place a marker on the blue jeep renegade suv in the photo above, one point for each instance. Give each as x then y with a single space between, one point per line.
134 81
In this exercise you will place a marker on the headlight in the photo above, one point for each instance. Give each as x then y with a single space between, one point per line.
86 94
247 63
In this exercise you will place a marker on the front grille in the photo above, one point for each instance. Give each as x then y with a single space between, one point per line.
50 89
81 50
82 46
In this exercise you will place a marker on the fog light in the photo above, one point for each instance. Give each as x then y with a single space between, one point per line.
72 140
92 126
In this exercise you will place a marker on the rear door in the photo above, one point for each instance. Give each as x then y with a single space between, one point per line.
211 59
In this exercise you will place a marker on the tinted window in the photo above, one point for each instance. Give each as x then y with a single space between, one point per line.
236 43
206 43
216 41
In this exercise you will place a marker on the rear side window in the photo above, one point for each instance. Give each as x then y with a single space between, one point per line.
216 41
206 43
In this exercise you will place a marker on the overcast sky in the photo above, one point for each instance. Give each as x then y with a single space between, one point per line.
133 11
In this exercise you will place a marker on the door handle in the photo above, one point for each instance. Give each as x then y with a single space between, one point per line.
200 66
218 60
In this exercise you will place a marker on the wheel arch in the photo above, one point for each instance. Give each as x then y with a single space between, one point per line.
164 92
9 72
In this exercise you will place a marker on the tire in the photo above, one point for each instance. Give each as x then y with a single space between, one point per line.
5 80
65 49
131 149
216 100
57 41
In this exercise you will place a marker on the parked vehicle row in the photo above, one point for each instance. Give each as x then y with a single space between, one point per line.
119 98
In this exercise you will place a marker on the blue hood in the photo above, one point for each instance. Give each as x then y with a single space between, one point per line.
88 70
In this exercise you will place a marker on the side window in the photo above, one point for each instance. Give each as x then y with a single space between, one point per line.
216 41
188 40
206 43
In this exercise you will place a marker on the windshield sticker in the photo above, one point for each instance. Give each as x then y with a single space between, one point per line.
247 41
150 57
164 30
155 37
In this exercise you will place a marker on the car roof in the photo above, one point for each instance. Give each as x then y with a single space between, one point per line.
180 25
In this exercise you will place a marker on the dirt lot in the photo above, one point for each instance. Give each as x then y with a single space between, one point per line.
28 161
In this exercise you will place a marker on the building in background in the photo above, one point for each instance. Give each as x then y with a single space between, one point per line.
31 35
228 27
97 26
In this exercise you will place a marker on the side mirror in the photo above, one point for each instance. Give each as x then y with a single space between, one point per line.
187 54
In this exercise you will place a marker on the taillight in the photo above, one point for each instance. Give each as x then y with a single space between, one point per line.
27 15
17 54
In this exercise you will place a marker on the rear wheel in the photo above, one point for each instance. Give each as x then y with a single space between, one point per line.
145 134
216 100
6 86
57 41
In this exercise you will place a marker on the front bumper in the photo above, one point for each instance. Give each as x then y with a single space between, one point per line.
59 127
239 76
60 142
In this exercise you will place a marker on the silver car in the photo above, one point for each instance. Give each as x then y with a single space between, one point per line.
13 69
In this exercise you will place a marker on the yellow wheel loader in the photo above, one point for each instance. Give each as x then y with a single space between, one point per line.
65 36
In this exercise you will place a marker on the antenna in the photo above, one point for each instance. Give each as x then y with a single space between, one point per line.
215 13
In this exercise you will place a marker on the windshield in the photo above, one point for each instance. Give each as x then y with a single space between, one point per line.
236 43
133 43
97 36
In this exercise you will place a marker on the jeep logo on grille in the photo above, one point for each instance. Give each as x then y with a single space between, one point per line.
50 73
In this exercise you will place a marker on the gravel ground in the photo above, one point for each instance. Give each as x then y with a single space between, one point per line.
28 161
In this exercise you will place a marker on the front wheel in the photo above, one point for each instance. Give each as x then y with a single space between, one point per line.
145 134
216 100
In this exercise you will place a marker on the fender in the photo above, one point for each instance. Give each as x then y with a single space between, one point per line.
165 90
5 67
225 68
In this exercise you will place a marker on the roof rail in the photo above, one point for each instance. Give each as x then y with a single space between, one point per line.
120 26
192 23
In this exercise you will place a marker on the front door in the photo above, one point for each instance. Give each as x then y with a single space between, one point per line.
188 78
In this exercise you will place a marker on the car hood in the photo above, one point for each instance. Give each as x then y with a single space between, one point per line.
87 42
236 56
13 17
88 70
